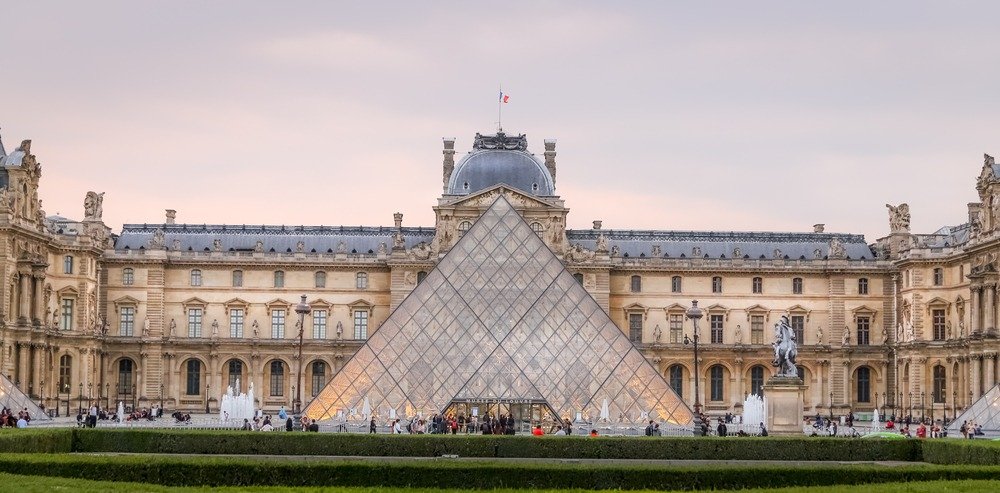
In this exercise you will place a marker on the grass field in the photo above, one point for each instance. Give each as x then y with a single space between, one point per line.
36 484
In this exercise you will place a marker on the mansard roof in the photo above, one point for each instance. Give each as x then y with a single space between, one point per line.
321 239
715 244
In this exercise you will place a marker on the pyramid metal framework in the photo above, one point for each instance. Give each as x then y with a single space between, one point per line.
12 398
500 319
985 411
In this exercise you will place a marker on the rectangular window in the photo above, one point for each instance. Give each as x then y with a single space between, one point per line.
126 321
676 328
278 324
194 322
636 286
320 279
863 286
67 313
128 276
756 329
864 326
798 328
279 279
237 278
757 285
715 323
68 264
236 323
937 322
196 277
319 324
797 285
675 284
360 324
716 284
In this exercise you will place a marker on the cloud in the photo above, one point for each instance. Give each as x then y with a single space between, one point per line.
339 49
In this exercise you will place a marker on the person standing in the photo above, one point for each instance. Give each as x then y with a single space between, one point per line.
371 426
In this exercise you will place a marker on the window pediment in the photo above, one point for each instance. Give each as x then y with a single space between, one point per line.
717 308
864 311
125 301
320 304
68 291
636 308
236 303
758 310
676 307
938 303
800 310
194 302
277 304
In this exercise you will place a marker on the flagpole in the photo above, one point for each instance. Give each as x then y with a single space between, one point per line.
500 109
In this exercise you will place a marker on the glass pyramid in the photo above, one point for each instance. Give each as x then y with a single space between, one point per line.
985 411
499 319
12 398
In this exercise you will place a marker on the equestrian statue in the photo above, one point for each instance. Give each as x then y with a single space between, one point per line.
785 349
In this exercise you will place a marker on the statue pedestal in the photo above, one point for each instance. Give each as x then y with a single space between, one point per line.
784 405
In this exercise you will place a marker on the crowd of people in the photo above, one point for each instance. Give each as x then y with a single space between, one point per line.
10 419
89 417
971 429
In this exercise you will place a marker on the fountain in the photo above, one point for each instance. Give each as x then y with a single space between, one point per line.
237 407
121 412
754 413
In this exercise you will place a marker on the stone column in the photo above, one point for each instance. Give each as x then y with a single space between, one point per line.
990 377
24 296
38 303
974 325
974 363
989 308
23 349
140 378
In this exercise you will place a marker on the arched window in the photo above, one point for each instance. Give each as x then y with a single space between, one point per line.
279 278
676 376
193 368
128 276
196 277
68 264
636 286
318 377
716 284
237 278
235 374
463 227
675 284
319 279
421 276
126 371
277 378
797 285
940 389
757 285
361 280
716 383
757 380
579 277
65 373
863 285
537 228
864 376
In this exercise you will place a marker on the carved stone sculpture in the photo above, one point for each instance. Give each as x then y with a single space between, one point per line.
158 240
300 246
602 244
657 333
341 247
93 206
837 249
259 246
819 335
846 340
738 336
382 248
785 349
173 327
899 218
215 328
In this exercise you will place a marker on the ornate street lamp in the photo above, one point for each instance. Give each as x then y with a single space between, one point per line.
694 313
831 404
954 405
41 391
107 395
134 397
922 406
910 414
66 389
90 393
161 400
208 388
80 400
302 309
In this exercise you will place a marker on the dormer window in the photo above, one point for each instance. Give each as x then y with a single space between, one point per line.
534 187
465 186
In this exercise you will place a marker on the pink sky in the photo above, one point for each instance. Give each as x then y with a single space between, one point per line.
695 115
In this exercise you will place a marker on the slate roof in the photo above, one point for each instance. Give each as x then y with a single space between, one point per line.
321 239
715 244
948 236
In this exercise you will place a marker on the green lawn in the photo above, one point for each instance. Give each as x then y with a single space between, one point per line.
32 484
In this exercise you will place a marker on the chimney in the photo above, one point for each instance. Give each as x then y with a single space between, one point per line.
597 224
818 228
550 158
398 218
171 216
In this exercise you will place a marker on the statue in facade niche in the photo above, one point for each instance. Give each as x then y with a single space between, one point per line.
785 349
948 327
93 207
846 341
340 329
738 336
173 327
819 335
657 333
145 327
899 218
215 328
398 241
256 329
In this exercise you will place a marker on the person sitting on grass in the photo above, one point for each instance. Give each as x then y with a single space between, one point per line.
593 432
537 431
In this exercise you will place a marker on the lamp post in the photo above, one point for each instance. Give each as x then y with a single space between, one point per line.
910 413
831 404
876 401
208 388
80 400
922 406
899 404
66 389
134 397
954 405
884 404
161 400
90 394
694 313
302 309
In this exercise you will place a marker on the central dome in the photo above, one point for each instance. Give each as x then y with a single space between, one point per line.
500 159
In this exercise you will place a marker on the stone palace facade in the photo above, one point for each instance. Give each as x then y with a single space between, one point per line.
174 313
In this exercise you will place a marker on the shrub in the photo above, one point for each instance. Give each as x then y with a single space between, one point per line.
235 442
36 440
980 452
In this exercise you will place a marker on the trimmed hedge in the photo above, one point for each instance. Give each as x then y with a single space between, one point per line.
35 441
466 474
246 443
982 452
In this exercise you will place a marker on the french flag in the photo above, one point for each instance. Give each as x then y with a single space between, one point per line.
504 97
